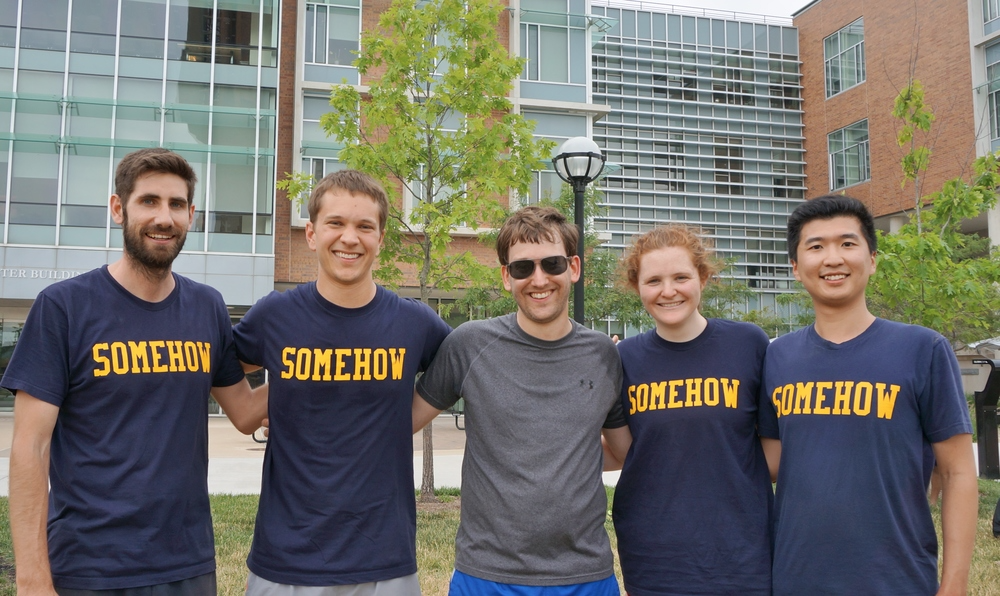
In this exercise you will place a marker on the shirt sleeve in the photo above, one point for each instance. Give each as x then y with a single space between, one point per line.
228 370
247 334
616 415
437 331
944 411
767 415
40 363
441 384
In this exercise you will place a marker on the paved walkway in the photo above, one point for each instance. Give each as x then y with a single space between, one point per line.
234 464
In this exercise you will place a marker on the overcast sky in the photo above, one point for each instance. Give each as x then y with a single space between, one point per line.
779 8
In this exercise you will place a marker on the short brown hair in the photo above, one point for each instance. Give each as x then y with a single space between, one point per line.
355 183
702 255
154 160
536 225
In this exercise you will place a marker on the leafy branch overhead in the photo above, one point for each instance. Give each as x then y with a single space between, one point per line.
929 272
915 116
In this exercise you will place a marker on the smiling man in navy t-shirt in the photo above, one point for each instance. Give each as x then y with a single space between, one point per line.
337 510
861 405
112 374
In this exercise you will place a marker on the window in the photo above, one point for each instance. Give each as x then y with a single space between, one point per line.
318 167
844 52
553 41
93 27
332 32
729 87
991 12
443 191
547 51
849 157
545 185
313 133
728 166
142 28
993 76
784 94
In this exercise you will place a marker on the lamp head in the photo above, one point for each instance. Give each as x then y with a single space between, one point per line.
579 160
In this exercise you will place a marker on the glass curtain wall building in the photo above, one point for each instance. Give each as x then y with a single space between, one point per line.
706 126
84 82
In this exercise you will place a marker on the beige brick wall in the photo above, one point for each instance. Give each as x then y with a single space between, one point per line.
293 261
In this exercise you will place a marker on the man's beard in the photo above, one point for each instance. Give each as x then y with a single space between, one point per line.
156 260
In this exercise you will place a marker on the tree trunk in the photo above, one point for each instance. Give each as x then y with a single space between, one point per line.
427 481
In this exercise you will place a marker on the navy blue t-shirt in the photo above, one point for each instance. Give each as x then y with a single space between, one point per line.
856 421
337 504
129 457
692 508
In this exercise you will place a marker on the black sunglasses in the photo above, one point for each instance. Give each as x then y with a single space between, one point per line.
551 265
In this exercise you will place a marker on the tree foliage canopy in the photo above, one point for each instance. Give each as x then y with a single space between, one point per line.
930 273
436 119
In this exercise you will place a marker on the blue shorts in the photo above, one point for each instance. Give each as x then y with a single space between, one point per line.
466 585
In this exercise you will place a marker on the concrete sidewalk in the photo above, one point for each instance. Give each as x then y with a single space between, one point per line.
234 459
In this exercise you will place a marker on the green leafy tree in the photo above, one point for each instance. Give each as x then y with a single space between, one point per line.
916 117
929 272
436 124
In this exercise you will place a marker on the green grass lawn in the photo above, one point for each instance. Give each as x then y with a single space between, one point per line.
436 527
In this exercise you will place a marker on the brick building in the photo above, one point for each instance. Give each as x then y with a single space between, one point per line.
856 56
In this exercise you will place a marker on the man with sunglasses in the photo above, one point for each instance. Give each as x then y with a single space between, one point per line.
540 389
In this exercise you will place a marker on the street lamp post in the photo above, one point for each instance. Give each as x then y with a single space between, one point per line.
579 162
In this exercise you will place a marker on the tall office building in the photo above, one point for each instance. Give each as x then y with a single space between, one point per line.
706 126
82 83
700 112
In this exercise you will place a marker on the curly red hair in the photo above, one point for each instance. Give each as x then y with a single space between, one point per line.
702 254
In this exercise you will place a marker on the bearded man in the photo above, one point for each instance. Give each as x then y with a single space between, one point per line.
111 375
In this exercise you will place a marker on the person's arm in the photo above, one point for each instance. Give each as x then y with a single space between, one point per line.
423 412
245 407
772 453
615 442
959 511
34 421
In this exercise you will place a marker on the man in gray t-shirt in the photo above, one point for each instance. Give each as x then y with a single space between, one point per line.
539 391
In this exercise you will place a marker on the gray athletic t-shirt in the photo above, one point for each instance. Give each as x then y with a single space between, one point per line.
533 499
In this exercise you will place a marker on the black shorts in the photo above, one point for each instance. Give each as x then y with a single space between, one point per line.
203 585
